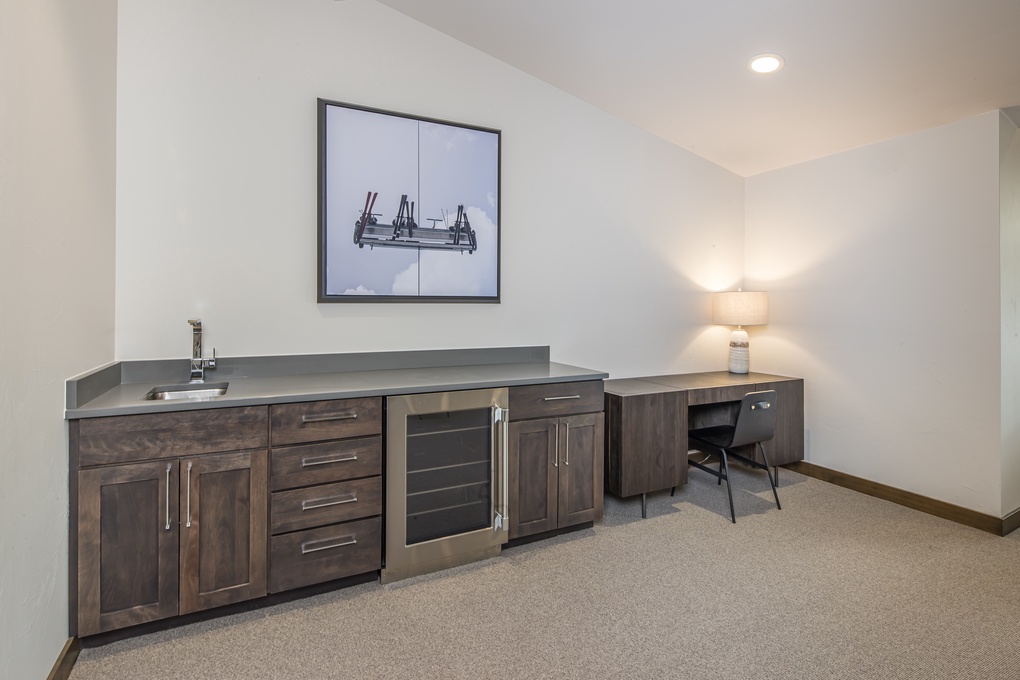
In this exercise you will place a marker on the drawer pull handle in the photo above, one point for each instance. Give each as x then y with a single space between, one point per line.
570 396
328 544
325 460
324 417
327 502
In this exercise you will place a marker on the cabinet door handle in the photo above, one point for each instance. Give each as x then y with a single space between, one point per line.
188 524
327 502
326 460
324 417
556 438
566 445
327 544
168 466
569 396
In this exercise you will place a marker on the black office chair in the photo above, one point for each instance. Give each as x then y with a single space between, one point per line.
755 423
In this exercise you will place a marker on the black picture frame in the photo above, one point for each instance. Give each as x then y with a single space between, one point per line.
381 175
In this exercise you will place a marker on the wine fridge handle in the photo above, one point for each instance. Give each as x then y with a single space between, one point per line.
506 468
500 416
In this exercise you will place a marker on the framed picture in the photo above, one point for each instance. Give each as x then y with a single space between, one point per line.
408 208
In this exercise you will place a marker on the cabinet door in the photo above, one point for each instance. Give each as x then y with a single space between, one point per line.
127 545
580 469
223 508
533 480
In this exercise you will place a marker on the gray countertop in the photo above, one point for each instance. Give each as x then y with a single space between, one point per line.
119 388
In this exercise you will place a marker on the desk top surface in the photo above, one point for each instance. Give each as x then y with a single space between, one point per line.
686 381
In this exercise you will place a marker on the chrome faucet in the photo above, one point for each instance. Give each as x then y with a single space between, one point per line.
198 364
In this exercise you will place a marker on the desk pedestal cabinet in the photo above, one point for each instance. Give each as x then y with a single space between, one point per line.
647 420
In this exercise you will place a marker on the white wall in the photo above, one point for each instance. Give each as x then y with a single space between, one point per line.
1009 219
610 236
882 265
57 63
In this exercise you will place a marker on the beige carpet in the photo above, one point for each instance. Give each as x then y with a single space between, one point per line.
835 585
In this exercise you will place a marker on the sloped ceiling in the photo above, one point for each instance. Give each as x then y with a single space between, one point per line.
857 71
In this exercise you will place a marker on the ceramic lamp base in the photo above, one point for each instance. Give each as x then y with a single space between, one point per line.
739 357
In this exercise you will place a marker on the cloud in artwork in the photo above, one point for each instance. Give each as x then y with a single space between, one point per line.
450 136
406 282
360 290
451 272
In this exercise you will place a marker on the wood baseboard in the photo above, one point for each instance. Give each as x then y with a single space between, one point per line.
65 662
954 513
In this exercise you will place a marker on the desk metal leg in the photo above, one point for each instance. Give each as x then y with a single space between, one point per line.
644 506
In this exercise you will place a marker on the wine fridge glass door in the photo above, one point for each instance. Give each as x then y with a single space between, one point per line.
449 474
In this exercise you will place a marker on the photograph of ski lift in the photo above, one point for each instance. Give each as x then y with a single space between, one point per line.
408 208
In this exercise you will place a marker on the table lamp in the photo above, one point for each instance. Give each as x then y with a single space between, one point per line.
740 308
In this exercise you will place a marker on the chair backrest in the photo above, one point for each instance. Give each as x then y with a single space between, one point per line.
756 421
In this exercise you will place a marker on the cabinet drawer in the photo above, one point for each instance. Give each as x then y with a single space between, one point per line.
119 439
555 399
325 504
334 461
316 555
718 395
315 421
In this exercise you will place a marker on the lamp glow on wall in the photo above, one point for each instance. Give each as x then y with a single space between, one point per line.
740 308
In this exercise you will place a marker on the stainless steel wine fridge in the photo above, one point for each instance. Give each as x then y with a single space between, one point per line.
446 480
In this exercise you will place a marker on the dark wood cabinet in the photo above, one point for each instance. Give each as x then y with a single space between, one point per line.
580 472
646 448
182 511
326 481
118 439
533 476
167 536
311 421
127 545
555 463
223 529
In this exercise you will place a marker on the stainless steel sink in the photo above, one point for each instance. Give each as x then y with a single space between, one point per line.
194 391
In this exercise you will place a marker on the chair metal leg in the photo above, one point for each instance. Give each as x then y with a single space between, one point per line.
722 460
672 491
769 473
644 506
775 470
729 491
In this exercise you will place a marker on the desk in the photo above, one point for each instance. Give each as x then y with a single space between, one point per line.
647 420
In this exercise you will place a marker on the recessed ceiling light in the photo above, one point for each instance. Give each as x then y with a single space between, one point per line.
766 63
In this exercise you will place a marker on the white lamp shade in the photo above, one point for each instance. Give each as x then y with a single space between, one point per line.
740 308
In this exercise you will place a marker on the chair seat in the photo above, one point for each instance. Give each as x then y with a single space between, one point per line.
717 435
